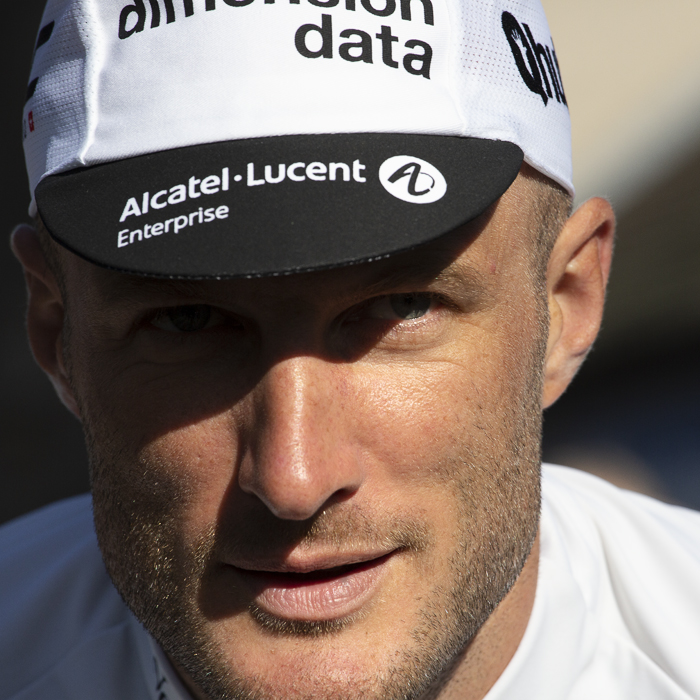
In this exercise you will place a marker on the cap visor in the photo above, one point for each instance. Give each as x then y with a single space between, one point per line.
274 205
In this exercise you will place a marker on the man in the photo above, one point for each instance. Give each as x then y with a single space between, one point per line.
308 275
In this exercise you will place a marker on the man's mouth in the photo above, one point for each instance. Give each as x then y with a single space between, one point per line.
304 593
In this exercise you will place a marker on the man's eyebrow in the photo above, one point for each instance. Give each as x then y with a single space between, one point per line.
128 287
419 272
458 277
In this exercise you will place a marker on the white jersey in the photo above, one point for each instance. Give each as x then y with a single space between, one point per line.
616 614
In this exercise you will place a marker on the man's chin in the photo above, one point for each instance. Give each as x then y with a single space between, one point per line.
295 660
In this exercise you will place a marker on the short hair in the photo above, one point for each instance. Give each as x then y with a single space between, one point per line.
552 206
52 254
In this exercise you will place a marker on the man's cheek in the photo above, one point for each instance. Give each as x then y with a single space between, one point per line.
422 415
200 459
146 400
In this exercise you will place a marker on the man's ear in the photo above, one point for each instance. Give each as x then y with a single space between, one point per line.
577 276
45 312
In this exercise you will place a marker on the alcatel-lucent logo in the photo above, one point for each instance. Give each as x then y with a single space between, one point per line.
412 180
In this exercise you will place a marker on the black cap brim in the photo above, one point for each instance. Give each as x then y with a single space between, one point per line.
331 209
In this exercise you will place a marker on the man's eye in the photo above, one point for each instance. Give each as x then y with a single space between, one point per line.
402 307
185 319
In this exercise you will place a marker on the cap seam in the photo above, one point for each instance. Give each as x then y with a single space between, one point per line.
94 60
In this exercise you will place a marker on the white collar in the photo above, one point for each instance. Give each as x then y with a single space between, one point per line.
161 678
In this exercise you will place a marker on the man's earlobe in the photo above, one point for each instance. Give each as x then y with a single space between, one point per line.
45 312
577 277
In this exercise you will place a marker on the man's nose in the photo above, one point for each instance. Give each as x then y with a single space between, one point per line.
301 454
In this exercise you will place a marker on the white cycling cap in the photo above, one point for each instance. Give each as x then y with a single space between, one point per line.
223 138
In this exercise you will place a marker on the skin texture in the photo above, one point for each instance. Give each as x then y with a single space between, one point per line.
307 426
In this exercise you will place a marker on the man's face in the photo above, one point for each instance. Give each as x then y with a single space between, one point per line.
318 485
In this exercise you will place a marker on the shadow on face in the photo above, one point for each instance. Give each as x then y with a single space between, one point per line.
269 320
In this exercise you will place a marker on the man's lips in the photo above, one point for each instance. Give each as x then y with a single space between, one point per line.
317 590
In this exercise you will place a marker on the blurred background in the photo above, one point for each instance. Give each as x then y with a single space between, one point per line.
632 77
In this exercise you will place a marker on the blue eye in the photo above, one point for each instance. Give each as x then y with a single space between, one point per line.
410 306
185 319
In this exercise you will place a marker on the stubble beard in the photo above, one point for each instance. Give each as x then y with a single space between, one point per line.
160 581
